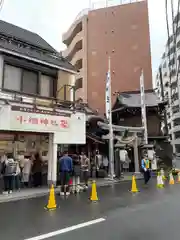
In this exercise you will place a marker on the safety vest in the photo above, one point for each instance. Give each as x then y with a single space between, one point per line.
146 163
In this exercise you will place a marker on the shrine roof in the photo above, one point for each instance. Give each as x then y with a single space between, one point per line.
133 99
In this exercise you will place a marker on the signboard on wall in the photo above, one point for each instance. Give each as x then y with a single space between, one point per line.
77 133
24 119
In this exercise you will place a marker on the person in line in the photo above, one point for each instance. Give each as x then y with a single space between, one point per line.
17 176
65 170
8 171
76 174
26 170
106 164
145 164
37 170
85 166
98 162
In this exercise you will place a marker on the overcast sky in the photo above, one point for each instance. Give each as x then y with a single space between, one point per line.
50 18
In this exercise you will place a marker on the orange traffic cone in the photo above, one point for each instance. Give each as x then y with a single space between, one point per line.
171 179
94 197
134 188
52 201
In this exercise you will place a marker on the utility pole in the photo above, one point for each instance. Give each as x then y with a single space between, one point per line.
109 118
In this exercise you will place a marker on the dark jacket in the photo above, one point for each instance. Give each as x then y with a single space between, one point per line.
76 166
37 166
65 164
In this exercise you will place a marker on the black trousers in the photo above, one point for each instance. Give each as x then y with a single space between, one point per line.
37 179
64 179
8 183
147 176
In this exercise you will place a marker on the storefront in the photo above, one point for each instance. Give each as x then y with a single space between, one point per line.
26 129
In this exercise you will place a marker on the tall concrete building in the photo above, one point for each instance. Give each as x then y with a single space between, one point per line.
168 86
120 31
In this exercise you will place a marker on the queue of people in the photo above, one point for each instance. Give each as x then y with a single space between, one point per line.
75 167
20 173
79 168
26 171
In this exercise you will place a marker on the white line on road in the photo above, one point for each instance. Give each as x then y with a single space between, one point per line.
65 230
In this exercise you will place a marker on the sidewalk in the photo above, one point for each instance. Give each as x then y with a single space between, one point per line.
39 192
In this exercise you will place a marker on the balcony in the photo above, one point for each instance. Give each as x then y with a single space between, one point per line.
68 37
175 129
80 74
78 64
78 56
74 47
175 116
175 103
176 141
25 99
75 27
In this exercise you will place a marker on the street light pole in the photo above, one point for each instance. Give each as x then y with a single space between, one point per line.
109 118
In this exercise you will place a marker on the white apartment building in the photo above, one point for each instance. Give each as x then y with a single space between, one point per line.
170 85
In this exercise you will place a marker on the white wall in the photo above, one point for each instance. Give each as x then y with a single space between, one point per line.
77 133
5 111
1 70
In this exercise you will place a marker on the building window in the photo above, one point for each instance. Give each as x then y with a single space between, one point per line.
170 39
172 62
30 82
178 44
172 50
79 83
46 86
12 78
164 65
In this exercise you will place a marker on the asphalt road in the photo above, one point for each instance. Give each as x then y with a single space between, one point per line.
151 214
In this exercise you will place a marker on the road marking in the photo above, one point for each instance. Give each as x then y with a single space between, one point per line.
65 230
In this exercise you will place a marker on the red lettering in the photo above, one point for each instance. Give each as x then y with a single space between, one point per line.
33 120
64 123
44 121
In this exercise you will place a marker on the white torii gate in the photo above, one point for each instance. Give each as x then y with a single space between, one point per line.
134 140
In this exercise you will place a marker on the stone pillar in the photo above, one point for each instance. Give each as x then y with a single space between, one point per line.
52 161
136 155
50 157
54 164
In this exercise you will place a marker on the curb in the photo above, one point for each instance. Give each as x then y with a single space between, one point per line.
42 194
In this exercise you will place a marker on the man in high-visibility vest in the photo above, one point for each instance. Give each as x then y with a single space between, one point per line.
145 164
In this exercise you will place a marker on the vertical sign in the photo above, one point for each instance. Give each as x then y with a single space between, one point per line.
109 118
143 108
107 95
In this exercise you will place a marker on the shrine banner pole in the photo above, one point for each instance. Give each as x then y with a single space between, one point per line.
109 118
143 108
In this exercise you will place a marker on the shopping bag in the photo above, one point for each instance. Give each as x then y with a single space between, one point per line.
70 181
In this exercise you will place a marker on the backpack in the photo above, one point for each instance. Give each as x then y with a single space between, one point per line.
10 168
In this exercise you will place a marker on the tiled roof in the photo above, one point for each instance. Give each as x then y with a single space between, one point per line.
38 48
24 35
131 99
